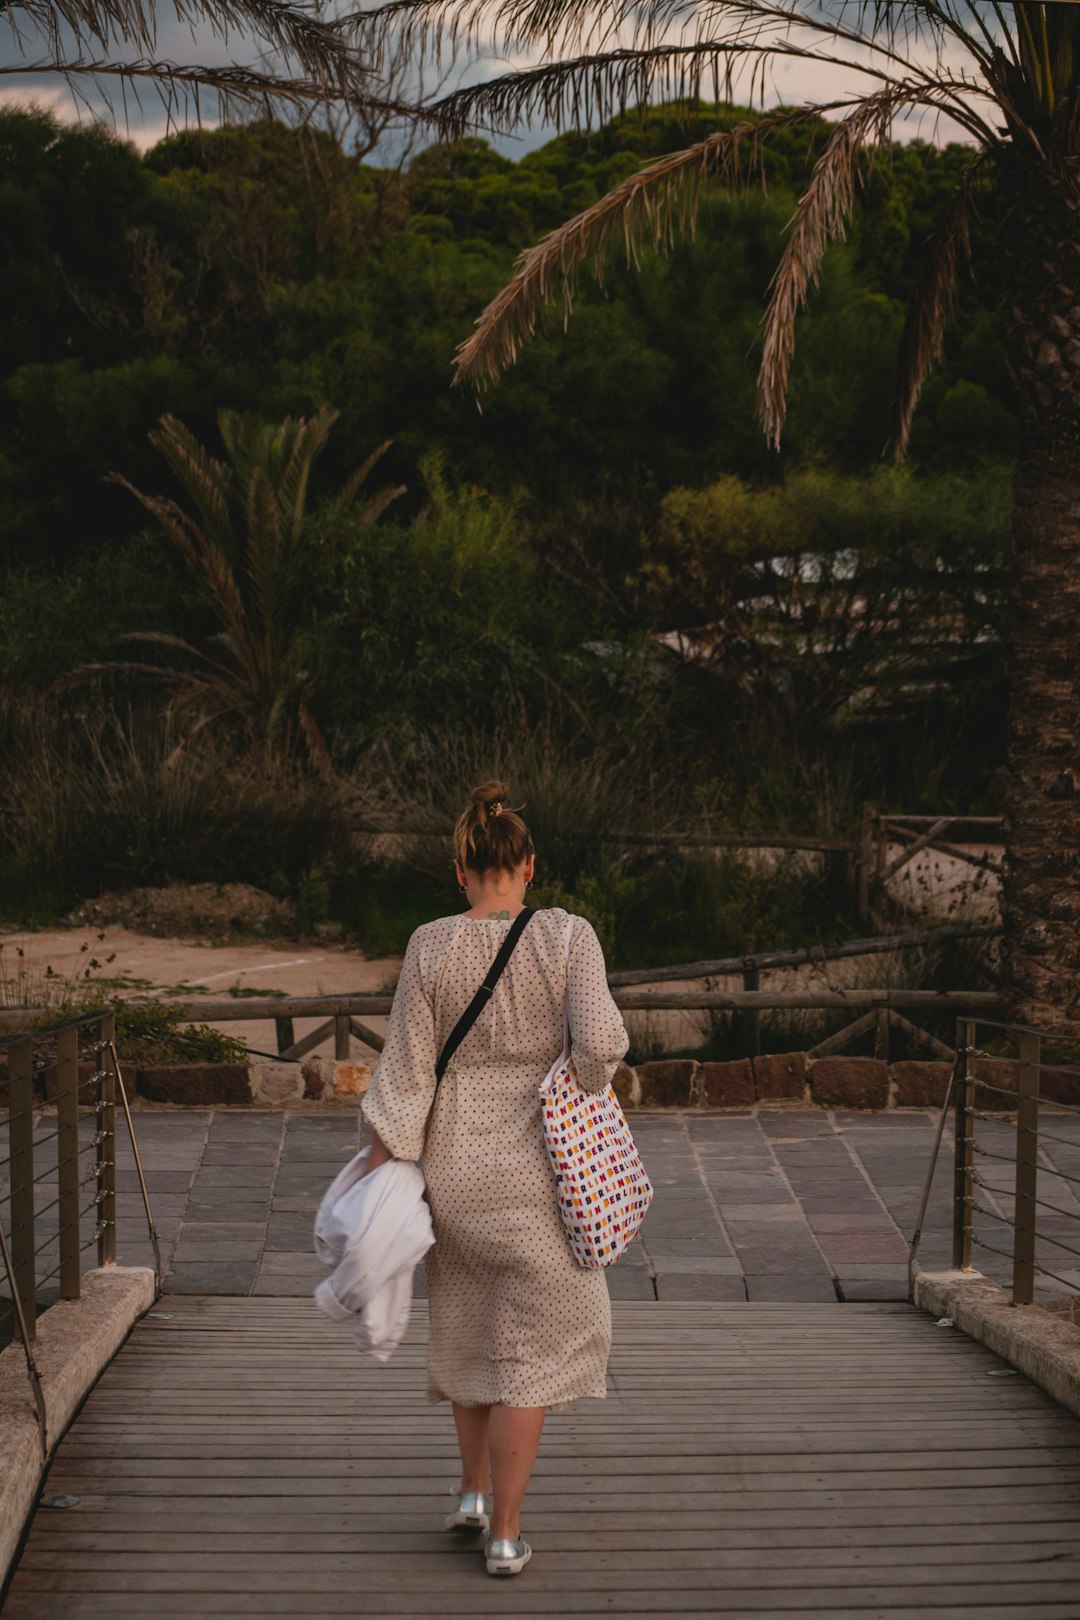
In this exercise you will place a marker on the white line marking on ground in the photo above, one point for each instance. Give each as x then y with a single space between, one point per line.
260 967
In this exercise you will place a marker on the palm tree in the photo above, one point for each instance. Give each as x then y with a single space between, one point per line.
1009 77
301 57
243 545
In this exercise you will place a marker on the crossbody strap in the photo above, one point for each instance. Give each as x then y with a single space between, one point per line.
483 995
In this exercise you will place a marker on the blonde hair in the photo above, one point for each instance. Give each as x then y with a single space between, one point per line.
490 834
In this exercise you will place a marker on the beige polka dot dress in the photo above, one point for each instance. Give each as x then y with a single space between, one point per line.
514 1319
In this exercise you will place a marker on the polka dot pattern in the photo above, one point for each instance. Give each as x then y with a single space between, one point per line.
514 1319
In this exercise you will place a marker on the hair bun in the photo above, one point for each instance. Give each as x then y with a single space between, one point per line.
489 799
490 832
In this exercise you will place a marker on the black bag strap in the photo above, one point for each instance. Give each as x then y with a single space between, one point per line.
483 995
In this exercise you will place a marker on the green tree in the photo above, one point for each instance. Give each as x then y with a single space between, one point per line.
244 547
1009 76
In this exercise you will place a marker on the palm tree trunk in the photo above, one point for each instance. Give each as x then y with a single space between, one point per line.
1041 238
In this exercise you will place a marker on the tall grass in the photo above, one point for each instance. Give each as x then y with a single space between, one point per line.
103 799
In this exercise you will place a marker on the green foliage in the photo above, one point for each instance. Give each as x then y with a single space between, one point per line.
437 617
150 1032
519 609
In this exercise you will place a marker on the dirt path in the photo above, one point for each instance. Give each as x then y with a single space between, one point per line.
146 965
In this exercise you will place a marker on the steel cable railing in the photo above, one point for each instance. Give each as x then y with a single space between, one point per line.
1019 1110
70 1071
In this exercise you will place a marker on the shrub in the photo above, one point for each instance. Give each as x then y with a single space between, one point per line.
149 1032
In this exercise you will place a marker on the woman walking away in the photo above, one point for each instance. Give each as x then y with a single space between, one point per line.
517 1326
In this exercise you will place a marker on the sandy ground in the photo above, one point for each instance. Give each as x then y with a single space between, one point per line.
162 967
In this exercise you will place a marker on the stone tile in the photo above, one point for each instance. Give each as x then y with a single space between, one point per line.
320 1151
751 1214
166 1181
864 1291
699 1285
234 1175
871 1273
227 1230
288 1232
293 1260
707 1243
196 1251
629 1282
206 1277
796 1287
228 1210
243 1153
717 1264
884 1250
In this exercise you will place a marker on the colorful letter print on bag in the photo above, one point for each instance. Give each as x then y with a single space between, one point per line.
603 1189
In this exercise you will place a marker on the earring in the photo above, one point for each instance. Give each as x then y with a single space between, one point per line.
462 889
528 883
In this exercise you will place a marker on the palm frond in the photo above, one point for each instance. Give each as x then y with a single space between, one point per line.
292 487
208 563
356 479
931 309
268 570
206 479
372 510
296 33
438 27
822 217
568 93
235 87
649 207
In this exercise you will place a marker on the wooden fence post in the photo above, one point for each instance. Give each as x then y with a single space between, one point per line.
866 857
341 1037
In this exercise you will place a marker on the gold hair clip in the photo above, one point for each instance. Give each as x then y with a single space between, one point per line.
495 808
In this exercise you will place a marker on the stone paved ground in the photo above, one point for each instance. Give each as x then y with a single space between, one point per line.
770 1204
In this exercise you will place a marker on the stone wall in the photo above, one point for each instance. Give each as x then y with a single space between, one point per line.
794 1078
828 1082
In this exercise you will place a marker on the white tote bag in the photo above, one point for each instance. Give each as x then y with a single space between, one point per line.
602 1186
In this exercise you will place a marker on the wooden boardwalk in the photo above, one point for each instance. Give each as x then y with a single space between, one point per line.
239 1458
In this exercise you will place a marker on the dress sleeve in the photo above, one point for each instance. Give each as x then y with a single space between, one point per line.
598 1037
402 1088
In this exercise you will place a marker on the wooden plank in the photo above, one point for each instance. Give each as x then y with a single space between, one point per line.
829 1462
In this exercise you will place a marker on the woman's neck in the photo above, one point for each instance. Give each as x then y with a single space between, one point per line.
495 899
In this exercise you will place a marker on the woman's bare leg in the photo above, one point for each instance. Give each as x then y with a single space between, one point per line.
472 1432
514 1439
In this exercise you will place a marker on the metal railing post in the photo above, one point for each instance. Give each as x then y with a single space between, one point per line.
964 1130
67 1154
1027 1167
106 1143
21 1133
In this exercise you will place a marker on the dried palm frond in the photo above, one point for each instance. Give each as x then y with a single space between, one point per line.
235 87
649 206
569 93
295 32
821 217
931 309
